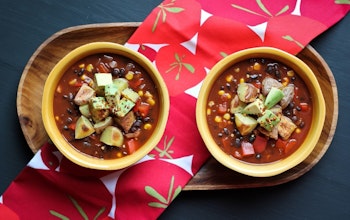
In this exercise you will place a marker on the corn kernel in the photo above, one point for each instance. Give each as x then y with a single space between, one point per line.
57 118
140 93
119 154
59 89
285 81
130 75
227 116
241 80
237 70
147 126
227 95
151 101
148 94
257 66
82 65
290 73
218 119
229 78
297 130
208 111
250 68
89 67
211 103
72 82
221 92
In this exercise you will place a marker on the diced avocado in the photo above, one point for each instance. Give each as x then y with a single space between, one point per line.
121 83
268 120
83 128
99 108
247 92
84 94
130 94
98 103
254 108
286 127
103 79
100 126
85 110
236 105
112 136
124 106
245 124
112 95
275 95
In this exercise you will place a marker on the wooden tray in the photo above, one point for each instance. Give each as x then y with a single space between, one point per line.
212 175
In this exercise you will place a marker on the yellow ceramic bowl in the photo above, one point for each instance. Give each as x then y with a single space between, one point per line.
274 168
48 116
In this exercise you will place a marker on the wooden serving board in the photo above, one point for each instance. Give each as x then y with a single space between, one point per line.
212 175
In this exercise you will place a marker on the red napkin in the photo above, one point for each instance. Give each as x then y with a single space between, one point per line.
184 38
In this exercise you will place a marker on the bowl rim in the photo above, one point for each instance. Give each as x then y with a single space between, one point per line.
318 116
47 106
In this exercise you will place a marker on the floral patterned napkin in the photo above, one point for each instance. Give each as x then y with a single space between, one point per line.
184 39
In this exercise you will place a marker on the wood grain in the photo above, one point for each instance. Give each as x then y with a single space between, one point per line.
212 175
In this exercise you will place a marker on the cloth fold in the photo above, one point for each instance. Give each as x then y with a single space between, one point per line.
184 39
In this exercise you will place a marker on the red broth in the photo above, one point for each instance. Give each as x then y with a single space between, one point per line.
258 146
145 111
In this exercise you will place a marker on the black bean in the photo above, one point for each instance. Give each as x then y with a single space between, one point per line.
65 127
69 111
129 66
220 134
228 86
87 144
252 138
226 131
116 72
254 76
258 156
69 120
237 142
298 108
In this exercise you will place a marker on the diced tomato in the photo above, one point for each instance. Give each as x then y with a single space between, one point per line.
102 68
131 146
257 85
136 81
247 148
226 143
304 106
290 145
72 126
260 144
281 144
222 108
142 107
287 145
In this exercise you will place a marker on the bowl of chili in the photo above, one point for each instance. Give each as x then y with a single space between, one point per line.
260 111
105 106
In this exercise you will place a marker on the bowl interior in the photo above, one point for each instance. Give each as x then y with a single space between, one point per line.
48 116
274 168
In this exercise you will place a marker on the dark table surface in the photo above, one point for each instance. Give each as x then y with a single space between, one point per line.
322 193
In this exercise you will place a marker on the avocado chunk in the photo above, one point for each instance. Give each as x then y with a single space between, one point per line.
99 108
247 92
125 105
236 105
100 126
85 110
121 84
130 94
254 108
245 124
112 94
83 128
275 95
103 79
268 120
112 136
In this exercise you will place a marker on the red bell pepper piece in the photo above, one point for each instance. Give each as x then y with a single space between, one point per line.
247 148
259 144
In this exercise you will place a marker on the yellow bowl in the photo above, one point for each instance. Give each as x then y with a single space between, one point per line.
280 166
49 120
